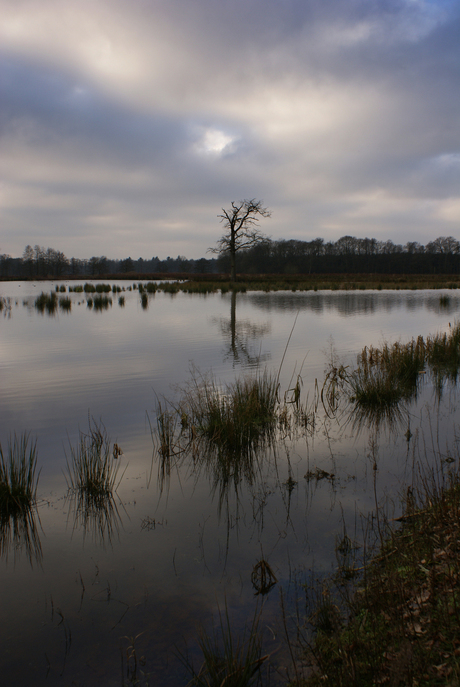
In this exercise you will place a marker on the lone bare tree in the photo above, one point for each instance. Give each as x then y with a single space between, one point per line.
241 229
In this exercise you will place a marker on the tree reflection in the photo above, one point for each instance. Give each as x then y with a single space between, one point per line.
243 337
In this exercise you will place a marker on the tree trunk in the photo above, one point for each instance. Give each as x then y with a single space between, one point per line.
233 255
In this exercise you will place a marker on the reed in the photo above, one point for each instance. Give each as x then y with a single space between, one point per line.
48 302
235 418
443 355
92 470
388 375
169 287
102 302
65 304
18 477
103 288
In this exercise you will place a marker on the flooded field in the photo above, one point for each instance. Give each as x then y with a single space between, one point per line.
115 590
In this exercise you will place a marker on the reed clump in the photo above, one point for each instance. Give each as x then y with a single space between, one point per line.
102 302
92 469
385 376
18 476
390 375
48 302
443 354
65 304
235 418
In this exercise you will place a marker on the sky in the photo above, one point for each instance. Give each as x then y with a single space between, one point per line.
127 125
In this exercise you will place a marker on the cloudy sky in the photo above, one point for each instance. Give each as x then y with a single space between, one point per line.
126 125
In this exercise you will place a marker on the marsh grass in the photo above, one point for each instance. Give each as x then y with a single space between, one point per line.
92 470
102 302
388 377
18 488
18 476
400 627
65 304
234 418
443 355
48 302
228 660
92 479
222 428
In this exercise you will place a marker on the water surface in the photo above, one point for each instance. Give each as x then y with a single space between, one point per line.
172 553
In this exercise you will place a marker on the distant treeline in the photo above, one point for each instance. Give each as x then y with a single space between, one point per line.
347 255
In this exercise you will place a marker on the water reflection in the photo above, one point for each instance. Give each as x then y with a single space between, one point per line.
19 532
96 515
243 338
349 303
284 504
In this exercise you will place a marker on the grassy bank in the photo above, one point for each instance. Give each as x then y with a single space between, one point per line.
404 619
278 282
303 282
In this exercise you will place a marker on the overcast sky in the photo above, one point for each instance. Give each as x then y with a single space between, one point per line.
126 125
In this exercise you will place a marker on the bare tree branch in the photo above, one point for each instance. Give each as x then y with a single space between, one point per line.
241 229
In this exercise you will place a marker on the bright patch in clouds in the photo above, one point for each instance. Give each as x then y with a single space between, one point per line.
214 142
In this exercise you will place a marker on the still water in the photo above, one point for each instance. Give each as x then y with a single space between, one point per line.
173 552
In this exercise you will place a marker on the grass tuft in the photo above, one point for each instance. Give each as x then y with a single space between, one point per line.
93 469
234 419
48 302
18 478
